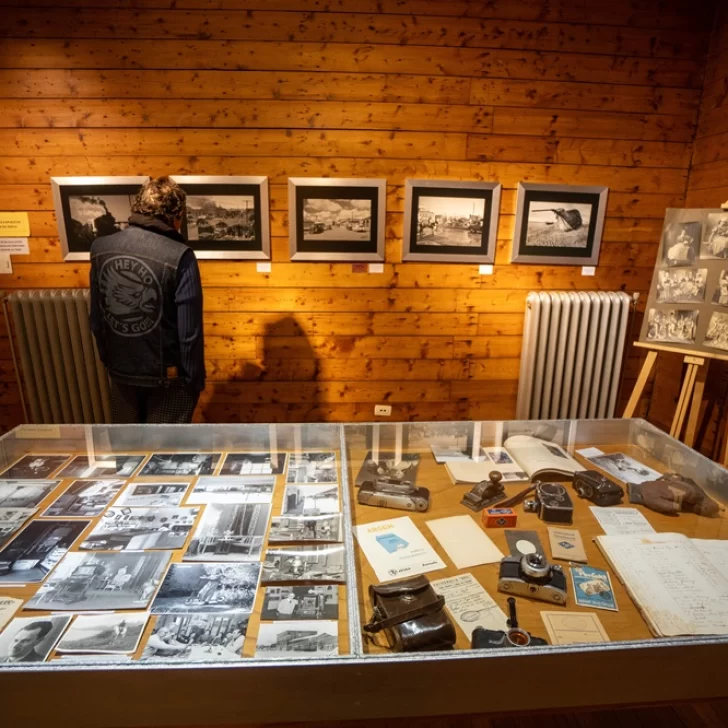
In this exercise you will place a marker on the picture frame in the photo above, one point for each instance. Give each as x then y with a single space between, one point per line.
559 224
449 221
233 215
91 207
336 219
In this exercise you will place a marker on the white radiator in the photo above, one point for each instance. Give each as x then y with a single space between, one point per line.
63 379
573 344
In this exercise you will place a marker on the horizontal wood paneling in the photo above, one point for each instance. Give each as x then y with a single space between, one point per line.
596 93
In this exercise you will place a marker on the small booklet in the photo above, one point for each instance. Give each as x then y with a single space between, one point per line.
542 460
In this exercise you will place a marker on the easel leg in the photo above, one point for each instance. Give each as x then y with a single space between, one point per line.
701 374
682 404
639 386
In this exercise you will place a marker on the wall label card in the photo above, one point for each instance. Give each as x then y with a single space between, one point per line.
465 542
566 544
14 246
14 225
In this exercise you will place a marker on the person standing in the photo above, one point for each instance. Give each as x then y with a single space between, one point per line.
146 311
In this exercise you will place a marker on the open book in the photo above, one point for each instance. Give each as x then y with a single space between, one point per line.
493 458
542 460
680 585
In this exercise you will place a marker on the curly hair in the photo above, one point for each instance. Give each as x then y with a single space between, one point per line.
160 197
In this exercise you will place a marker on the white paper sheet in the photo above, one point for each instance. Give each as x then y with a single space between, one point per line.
465 541
469 604
621 521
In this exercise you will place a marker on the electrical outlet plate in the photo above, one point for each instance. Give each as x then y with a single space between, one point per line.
382 410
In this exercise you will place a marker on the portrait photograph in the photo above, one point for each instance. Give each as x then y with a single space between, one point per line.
312 467
336 219
715 237
227 217
101 581
387 465
448 221
673 326
300 602
197 637
31 639
253 463
31 467
84 498
180 464
716 337
310 500
297 639
558 224
25 493
326 528
233 490
102 466
681 243
104 633
91 207
720 295
681 285
212 587
152 494
304 563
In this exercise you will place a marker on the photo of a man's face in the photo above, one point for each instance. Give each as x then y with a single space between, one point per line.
25 641
31 639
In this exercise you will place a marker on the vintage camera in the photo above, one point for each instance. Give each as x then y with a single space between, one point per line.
532 576
599 490
394 493
513 637
551 502
485 493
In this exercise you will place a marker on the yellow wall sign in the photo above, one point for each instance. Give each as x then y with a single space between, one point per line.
14 225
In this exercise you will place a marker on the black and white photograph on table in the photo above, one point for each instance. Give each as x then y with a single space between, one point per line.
304 563
312 467
212 587
558 224
499 456
253 463
325 528
297 639
310 500
624 468
152 494
180 464
102 581
388 465
227 489
720 295
300 602
681 285
716 336
673 326
715 237
681 243
229 532
25 493
102 466
32 467
33 553
12 520
197 637
447 221
140 529
104 633
31 639
84 498
91 207
337 220
227 217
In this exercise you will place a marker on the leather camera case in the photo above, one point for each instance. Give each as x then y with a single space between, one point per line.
411 615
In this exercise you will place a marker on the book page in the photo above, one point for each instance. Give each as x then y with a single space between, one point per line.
678 590
535 455
716 552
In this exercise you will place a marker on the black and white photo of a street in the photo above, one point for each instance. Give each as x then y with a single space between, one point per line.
717 335
304 563
333 219
310 500
297 639
93 216
677 327
681 285
452 221
220 217
558 224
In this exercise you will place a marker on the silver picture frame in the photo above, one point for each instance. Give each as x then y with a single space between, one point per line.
255 247
476 245
106 194
364 243
550 198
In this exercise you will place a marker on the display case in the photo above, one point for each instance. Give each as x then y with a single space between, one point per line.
214 569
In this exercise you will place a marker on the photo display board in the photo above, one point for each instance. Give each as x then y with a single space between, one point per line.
688 303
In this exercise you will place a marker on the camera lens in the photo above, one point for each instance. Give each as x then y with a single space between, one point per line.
518 638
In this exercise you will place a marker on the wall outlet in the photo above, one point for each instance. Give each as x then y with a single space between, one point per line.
382 410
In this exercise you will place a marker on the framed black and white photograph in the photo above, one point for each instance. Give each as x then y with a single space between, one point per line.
116 634
720 295
253 463
152 494
287 529
304 563
91 207
681 243
25 493
672 326
229 532
297 639
715 237
558 224
233 490
310 500
388 465
682 285
716 337
300 602
30 467
31 639
102 581
336 220
197 637
84 498
227 217
102 466
210 587
180 464
451 222
312 467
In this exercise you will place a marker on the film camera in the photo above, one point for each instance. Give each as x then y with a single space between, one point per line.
551 502
532 576
599 490
393 493
514 637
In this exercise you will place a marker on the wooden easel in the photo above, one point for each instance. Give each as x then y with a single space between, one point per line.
691 393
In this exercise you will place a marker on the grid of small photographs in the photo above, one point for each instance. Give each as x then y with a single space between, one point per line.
688 303
160 557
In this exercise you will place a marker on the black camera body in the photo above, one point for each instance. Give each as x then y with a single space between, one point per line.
533 577
552 503
393 493
599 490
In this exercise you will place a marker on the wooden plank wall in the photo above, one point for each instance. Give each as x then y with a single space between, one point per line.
564 91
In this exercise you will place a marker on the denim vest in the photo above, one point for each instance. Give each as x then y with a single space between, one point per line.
134 273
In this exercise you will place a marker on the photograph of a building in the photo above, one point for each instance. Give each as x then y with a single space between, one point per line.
227 489
298 639
448 221
220 217
335 219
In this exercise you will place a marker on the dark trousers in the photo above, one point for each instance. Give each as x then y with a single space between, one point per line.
173 404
